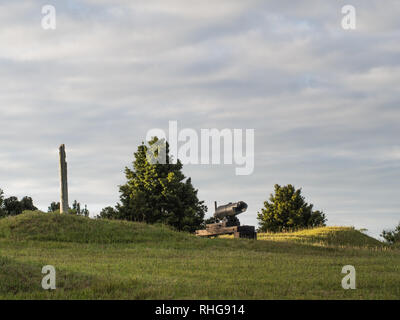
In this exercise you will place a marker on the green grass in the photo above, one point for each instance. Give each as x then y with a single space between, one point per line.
325 236
73 228
338 237
100 259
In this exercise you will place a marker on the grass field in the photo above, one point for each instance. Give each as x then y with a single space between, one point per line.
100 259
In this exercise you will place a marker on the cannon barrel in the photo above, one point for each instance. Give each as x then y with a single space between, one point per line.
230 210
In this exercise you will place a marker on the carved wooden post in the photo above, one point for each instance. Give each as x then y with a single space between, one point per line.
64 181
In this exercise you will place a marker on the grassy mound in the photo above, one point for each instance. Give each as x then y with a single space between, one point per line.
72 228
102 259
337 236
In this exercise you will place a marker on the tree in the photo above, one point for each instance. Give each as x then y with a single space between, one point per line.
2 212
76 208
27 204
108 213
391 236
12 206
158 192
210 220
287 210
54 207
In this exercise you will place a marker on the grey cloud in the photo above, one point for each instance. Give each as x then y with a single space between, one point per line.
323 101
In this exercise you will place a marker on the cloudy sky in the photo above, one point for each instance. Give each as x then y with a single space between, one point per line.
323 101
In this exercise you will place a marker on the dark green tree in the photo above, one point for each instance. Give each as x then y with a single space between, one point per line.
85 212
12 206
108 213
210 220
76 208
2 211
27 204
391 236
287 210
54 207
158 192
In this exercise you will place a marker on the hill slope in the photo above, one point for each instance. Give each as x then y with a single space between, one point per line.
337 236
101 259
35 225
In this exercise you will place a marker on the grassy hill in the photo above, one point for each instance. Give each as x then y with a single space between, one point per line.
74 228
101 259
328 236
323 236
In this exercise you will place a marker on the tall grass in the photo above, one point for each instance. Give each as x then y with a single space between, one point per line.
338 236
101 259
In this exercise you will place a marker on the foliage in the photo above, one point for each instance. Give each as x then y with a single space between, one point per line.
76 208
287 210
392 236
158 193
2 212
54 207
108 213
12 206
210 220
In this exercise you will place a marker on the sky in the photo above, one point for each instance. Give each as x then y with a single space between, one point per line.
323 101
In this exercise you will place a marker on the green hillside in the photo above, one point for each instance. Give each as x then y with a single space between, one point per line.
336 236
102 259
74 228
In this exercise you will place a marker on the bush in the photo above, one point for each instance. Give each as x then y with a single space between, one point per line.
76 208
392 236
12 206
2 212
107 213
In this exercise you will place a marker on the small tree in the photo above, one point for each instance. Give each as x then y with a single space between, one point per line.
391 236
287 210
54 207
12 206
2 212
27 204
76 208
108 213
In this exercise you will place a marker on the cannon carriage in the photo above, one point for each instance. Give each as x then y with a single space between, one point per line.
228 223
